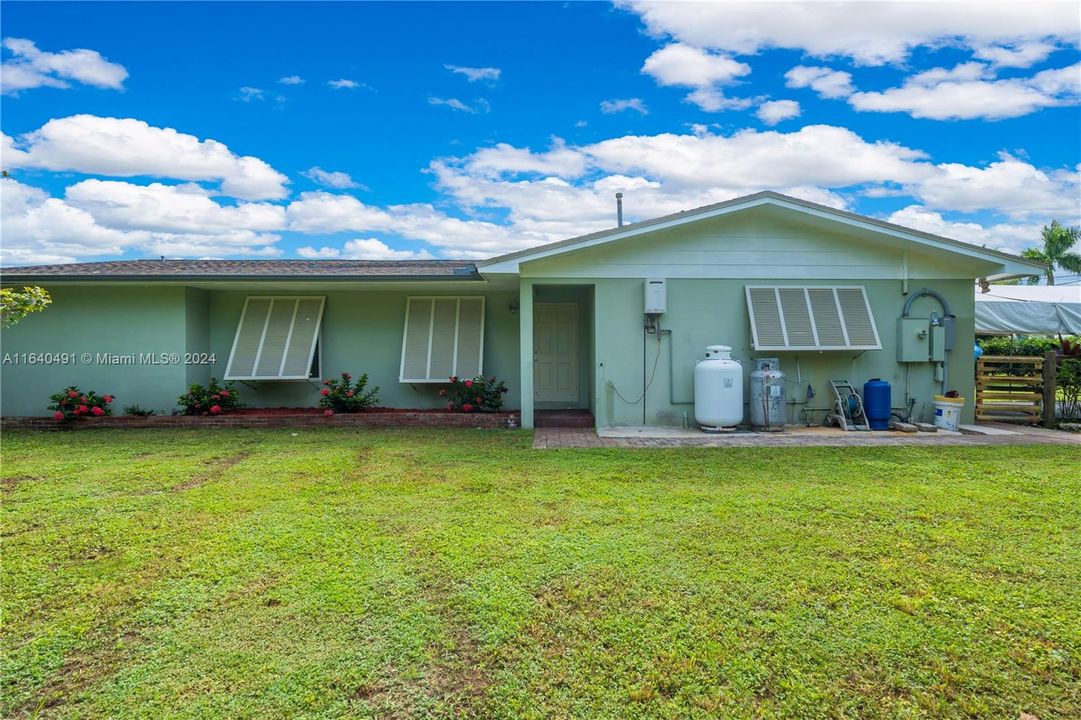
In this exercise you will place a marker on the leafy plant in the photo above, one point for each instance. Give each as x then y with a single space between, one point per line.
17 304
71 403
479 394
214 399
138 411
1057 250
1025 346
342 395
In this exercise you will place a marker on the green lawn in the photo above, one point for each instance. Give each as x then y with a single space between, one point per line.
334 573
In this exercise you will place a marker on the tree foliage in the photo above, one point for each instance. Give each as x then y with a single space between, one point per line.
1057 250
17 304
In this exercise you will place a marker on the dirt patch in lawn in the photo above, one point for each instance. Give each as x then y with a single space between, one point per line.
9 483
215 468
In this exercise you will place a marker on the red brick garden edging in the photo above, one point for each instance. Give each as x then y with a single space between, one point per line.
382 419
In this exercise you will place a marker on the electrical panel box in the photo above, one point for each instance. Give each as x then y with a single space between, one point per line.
937 350
950 324
656 296
913 340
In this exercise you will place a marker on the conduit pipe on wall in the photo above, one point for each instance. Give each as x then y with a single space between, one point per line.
945 313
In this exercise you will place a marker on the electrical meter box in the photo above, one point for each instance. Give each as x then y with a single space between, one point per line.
656 296
913 339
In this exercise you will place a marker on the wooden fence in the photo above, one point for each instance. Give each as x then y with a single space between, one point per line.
1013 388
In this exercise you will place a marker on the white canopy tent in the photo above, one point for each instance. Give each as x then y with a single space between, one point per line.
1029 310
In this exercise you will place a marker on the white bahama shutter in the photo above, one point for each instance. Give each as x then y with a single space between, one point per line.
276 339
811 318
443 337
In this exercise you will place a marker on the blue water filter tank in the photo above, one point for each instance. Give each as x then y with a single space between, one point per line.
877 402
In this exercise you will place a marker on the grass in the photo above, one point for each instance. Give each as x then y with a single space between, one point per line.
336 573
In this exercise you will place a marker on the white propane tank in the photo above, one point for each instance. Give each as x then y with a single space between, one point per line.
718 390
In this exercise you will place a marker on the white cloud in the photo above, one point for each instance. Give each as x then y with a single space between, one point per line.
125 147
685 66
1021 54
343 84
370 249
473 74
1004 236
291 80
775 111
339 180
43 229
616 106
967 91
1009 185
98 218
30 68
480 105
828 83
322 253
871 33
322 212
247 94
504 158
156 207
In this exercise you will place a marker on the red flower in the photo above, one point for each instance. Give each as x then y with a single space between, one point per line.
479 401
223 394
454 378
82 399
108 399
467 407
326 382
215 409
324 392
83 409
96 411
468 383
58 415
328 412
349 394
72 394
347 376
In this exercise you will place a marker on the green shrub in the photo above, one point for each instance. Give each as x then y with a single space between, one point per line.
1021 346
213 399
479 394
139 411
71 402
342 395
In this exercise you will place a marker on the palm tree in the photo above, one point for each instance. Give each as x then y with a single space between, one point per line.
1058 242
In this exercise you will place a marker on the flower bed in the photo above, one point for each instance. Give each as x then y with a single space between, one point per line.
281 418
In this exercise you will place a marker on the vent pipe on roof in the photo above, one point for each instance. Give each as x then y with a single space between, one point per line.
619 209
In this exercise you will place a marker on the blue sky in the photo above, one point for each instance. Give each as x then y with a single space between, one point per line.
468 130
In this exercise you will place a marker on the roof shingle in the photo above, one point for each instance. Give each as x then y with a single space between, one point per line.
250 269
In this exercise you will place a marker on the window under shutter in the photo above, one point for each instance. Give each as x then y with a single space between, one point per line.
811 318
443 337
276 339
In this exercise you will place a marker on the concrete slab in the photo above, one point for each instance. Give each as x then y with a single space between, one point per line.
985 430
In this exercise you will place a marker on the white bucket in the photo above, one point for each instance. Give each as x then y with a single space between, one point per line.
948 411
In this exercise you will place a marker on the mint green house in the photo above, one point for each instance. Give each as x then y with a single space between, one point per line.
568 325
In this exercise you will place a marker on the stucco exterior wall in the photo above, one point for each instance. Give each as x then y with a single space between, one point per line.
361 332
714 312
99 321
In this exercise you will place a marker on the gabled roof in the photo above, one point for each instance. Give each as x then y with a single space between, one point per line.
248 270
509 263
